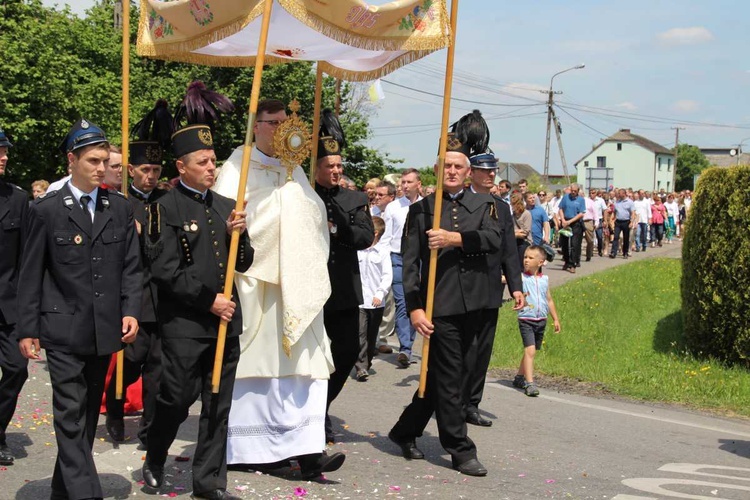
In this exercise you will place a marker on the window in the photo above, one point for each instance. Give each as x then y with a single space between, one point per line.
601 162
669 164
619 146
658 161
658 185
586 163
668 190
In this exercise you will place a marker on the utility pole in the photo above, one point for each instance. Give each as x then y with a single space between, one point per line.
552 120
676 143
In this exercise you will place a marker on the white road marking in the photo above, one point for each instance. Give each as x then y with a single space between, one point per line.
629 413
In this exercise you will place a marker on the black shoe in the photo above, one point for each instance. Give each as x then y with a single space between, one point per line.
611 256
588 259
153 475
362 375
565 267
408 447
471 468
330 439
6 456
116 429
214 495
313 466
403 360
600 254
474 418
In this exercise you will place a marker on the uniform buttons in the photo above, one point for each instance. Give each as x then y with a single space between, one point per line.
455 217
333 261
213 233
97 294
221 265
210 221
455 226
207 211
216 243
217 254
221 277
96 276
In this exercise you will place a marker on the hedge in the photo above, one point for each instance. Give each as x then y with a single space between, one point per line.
715 283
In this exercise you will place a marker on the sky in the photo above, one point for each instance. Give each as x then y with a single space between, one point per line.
651 65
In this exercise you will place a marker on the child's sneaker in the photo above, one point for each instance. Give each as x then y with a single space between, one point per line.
531 389
519 382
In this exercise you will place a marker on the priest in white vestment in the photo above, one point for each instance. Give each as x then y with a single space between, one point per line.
279 398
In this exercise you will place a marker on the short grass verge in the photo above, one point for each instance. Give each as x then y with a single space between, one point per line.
622 328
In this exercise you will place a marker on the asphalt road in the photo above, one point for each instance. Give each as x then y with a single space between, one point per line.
554 446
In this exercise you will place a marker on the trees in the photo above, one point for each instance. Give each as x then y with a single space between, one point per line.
690 162
57 67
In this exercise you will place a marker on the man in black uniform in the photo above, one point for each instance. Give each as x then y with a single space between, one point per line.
189 231
468 234
143 357
351 229
80 298
14 203
503 262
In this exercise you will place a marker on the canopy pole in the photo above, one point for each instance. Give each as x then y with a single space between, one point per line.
240 205
124 149
438 195
316 124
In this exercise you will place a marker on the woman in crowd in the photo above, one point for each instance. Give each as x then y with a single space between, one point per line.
522 222
658 217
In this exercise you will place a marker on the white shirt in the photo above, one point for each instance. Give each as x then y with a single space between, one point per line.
78 194
394 217
673 210
376 273
643 209
58 184
601 206
375 211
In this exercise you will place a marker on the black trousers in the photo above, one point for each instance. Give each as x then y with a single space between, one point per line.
142 357
478 361
342 328
449 345
187 367
15 372
369 324
571 247
77 387
621 226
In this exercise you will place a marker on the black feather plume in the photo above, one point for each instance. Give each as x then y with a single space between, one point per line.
156 125
330 126
472 130
201 106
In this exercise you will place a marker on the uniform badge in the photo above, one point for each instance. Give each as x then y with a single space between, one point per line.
194 225
85 124
186 227
78 239
68 200
105 202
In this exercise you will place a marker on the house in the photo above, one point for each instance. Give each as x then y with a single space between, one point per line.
514 172
627 160
726 157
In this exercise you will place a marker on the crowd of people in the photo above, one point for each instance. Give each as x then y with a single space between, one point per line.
145 273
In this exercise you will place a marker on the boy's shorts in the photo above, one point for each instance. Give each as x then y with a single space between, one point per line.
532 332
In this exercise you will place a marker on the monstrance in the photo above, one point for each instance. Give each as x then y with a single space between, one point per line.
292 141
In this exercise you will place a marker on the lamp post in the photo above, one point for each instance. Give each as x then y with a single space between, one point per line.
739 149
550 117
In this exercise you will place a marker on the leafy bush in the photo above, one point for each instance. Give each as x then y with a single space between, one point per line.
716 266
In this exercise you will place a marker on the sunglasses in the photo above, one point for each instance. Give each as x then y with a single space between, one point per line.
542 194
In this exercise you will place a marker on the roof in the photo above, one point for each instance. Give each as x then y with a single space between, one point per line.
723 157
625 135
514 172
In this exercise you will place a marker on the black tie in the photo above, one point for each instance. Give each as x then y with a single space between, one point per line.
85 199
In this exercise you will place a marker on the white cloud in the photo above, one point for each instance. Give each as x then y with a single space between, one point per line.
627 105
685 105
685 36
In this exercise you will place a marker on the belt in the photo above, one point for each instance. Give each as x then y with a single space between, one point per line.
588 220
623 220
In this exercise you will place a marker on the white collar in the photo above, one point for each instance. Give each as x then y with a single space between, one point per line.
202 193
78 194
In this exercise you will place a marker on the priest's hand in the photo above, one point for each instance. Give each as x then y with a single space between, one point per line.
223 307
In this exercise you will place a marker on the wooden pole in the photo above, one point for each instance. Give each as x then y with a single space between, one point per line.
439 194
124 148
240 205
316 124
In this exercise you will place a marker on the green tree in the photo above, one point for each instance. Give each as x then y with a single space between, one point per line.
690 162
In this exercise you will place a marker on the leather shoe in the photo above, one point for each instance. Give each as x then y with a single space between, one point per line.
471 468
312 469
385 349
403 360
116 429
408 447
214 495
474 418
6 455
153 475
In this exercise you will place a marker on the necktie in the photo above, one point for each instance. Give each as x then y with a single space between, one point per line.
85 199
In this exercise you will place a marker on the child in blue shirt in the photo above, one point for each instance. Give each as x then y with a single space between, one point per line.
532 319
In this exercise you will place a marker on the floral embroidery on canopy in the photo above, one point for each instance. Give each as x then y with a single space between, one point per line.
201 11
158 26
415 20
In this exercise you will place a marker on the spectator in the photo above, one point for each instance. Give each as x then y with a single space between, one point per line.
643 212
522 221
571 211
601 208
589 223
428 190
539 221
523 186
658 216
113 170
625 219
553 205
370 189
384 194
39 188
673 217
503 192
377 275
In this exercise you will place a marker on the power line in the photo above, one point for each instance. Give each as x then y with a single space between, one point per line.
456 98
602 134
433 128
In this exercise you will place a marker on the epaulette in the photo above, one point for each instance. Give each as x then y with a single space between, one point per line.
153 245
112 191
19 188
48 196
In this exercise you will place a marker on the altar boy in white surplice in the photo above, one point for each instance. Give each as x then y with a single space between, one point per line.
279 399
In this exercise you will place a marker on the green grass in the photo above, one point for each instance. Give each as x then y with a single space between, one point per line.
623 328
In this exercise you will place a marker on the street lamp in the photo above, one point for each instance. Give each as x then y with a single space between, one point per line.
739 149
550 118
